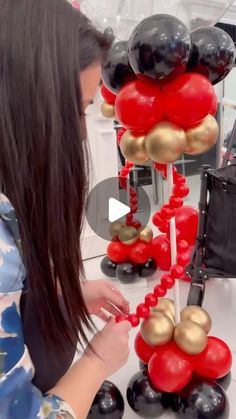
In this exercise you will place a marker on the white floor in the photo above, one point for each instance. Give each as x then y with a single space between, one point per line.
220 301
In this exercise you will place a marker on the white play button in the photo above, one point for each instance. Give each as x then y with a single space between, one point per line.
117 210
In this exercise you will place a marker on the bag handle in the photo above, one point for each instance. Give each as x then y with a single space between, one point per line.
231 143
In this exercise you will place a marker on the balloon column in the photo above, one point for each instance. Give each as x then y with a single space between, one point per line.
163 95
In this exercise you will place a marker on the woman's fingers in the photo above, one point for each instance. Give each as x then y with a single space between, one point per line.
115 297
104 316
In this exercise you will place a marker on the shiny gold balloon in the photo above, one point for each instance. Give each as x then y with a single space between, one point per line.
115 229
128 235
146 234
190 337
165 306
202 137
166 142
108 110
197 315
133 148
158 329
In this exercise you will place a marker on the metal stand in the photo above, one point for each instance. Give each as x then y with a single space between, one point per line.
195 269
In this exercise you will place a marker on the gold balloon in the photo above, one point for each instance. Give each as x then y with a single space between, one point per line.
108 110
202 137
190 337
158 329
166 142
165 306
133 148
128 235
146 234
115 229
197 315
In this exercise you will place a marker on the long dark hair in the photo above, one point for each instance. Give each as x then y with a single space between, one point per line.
44 44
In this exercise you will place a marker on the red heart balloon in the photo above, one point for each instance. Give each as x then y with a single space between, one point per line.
215 361
161 252
187 223
170 370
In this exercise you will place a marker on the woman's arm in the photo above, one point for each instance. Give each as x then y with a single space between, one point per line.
18 397
110 352
80 385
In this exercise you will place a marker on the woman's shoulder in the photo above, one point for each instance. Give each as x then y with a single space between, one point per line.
11 267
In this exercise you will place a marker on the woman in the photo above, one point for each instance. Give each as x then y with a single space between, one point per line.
50 67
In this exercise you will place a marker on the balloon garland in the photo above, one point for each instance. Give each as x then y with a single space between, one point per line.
159 86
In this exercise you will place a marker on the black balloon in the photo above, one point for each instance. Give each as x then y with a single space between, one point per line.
225 382
108 267
201 399
148 269
143 398
108 403
116 71
159 46
127 272
213 53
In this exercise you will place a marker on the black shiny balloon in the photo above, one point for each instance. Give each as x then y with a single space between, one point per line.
213 53
108 403
143 398
159 46
201 399
148 269
108 267
225 382
127 272
116 71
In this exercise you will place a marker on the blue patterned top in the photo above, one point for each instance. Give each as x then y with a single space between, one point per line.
19 398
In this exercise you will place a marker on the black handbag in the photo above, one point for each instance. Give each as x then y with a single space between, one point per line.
220 240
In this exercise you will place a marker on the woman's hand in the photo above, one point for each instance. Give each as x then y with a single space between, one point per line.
104 300
110 348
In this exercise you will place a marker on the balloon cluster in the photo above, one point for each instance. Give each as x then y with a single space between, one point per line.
159 86
175 356
201 398
129 253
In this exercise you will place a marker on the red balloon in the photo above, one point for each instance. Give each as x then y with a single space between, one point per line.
108 95
167 282
181 191
177 271
176 202
170 370
215 361
142 349
161 252
140 253
187 223
167 212
182 246
143 311
117 252
183 259
139 106
179 179
159 291
188 99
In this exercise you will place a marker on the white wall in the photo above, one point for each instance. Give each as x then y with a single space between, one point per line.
102 141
